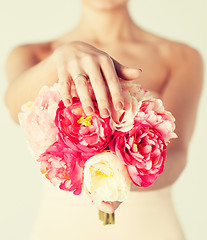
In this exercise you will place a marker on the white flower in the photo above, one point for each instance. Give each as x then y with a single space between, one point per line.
106 178
135 90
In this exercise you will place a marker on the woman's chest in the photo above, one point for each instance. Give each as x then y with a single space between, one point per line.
155 71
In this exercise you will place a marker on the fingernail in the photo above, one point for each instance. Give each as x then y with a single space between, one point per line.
105 113
119 106
89 110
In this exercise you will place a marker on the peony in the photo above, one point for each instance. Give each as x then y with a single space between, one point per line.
135 90
106 178
142 150
61 166
151 111
86 134
37 119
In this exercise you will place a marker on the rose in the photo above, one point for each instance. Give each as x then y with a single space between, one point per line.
142 149
82 133
61 166
151 111
37 119
106 178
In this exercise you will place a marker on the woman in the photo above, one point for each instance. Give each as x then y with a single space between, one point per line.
172 71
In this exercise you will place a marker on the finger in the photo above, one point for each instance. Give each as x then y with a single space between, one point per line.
65 85
126 73
99 88
81 84
113 83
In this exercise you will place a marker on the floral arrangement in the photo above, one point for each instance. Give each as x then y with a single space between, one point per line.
95 155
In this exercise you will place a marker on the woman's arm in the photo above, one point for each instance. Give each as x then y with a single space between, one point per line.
26 75
180 96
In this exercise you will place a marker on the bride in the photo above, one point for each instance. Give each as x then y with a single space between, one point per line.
108 47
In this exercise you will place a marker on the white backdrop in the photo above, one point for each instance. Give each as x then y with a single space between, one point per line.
26 21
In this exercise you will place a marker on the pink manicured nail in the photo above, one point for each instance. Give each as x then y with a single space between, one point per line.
105 113
89 111
119 106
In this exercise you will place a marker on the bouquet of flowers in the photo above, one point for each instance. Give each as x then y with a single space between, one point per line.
95 155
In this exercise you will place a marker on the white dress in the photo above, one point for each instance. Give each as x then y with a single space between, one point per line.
143 216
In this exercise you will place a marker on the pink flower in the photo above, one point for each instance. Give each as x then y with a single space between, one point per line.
86 134
151 111
61 166
37 119
142 149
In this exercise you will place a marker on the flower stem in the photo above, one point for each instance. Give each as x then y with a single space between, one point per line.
106 218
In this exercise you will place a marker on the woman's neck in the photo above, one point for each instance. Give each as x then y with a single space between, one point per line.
105 26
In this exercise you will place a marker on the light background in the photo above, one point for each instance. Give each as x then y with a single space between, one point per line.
26 21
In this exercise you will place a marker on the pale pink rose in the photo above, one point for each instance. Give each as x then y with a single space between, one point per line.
151 111
86 134
61 166
106 178
37 119
142 150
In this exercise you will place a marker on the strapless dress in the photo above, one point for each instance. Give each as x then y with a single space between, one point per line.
143 216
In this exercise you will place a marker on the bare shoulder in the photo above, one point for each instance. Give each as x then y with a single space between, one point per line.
25 56
182 60
32 50
180 55
174 53
185 68
186 65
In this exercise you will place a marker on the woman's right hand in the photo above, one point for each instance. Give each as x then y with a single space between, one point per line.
102 71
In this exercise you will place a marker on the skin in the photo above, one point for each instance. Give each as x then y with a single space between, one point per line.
106 52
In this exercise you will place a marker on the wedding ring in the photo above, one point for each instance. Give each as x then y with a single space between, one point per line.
79 75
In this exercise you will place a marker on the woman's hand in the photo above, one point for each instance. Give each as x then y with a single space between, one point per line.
109 207
102 71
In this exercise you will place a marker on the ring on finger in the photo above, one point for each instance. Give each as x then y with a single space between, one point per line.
79 75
